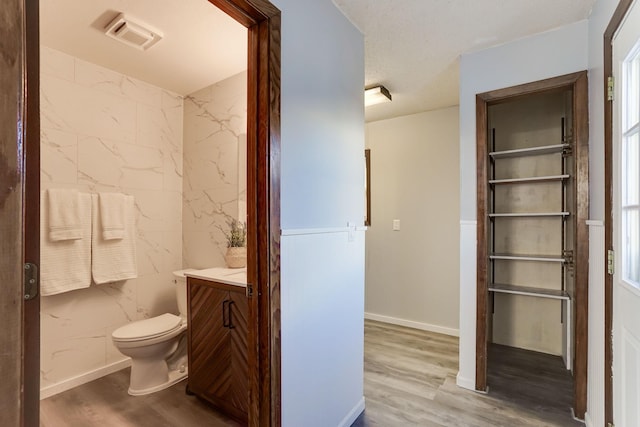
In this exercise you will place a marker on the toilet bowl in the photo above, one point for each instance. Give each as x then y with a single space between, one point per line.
157 346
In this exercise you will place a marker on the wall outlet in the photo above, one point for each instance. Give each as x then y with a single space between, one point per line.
396 225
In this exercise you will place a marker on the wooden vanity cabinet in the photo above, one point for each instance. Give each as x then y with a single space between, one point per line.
217 334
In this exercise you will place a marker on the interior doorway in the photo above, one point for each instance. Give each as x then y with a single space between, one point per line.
505 216
263 24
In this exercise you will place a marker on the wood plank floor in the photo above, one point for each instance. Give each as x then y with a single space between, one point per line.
409 381
105 403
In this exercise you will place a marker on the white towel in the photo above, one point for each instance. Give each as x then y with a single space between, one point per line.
64 214
65 265
115 259
112 212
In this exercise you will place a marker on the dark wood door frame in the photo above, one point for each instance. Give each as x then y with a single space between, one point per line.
31 209
19 213
616 20
578 83
262 20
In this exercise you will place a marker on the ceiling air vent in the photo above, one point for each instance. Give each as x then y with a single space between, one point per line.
131 33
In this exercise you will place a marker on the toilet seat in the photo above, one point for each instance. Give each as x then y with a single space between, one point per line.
146 329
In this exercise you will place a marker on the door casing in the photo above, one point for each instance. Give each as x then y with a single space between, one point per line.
616 20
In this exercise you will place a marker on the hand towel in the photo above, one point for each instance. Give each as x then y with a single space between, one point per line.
65 265
112 212
114 259
63 208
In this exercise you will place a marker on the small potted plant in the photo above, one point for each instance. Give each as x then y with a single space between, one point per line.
236 256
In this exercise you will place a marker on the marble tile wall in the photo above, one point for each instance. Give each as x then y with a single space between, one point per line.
103 131
214 186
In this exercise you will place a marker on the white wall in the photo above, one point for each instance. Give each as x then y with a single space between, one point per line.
322 328
595 369
215 169
322 134
545 55
412 274
103 131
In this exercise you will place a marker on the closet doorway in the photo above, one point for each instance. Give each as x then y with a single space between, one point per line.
532 237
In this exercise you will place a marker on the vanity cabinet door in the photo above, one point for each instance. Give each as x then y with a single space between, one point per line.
239 391
209 342
218 367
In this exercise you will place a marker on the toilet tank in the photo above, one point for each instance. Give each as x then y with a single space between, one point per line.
180 280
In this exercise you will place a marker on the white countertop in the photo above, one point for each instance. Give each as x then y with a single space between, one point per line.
230 276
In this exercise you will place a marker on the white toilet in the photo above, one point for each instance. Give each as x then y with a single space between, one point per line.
157 346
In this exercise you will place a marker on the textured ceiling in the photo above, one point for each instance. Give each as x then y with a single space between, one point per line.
201 45
412 46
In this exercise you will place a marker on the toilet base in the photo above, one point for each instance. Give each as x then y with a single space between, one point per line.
174 378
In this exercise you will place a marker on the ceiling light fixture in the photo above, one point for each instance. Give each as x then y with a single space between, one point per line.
131 33
376 95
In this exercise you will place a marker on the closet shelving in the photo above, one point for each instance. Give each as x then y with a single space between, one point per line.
529 291
563 256
527 214
529 179
533 243
531 151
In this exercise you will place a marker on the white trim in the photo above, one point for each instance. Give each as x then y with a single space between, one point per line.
468 222
595 223
327 230
573 415
412 324
630 287
587 420
595 363
73 382
353 414
467 383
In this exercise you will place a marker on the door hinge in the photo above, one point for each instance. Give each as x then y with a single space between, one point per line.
249 290
610 425
610 86
610 261
30 281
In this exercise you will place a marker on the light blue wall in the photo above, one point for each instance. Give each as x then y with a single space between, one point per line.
322 189
544 55
322 116
598 21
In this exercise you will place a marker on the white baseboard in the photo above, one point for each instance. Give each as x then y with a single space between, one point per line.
587 420
412 324
467 383
353 414
70 383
